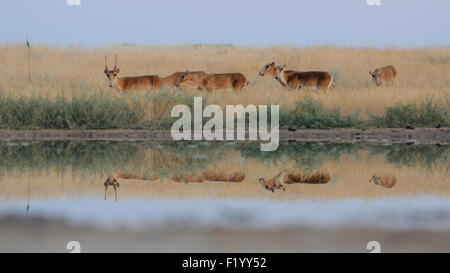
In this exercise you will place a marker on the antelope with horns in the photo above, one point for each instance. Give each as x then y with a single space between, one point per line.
297 80
112 180
272 184
129 84
270 69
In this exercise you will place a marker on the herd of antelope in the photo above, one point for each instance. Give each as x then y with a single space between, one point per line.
276 183
293 80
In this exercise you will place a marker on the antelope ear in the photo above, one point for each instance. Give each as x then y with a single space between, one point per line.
117 70
284 65
273 63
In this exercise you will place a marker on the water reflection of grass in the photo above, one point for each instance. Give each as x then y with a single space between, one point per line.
306 155
430 157
81 157
310 156
349 179
166 159
162 158
78 169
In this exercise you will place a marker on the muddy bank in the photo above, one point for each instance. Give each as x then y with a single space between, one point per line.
377 135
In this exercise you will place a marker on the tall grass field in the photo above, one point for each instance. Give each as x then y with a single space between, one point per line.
68 88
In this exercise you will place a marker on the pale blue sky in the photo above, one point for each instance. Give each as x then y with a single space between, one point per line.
401 23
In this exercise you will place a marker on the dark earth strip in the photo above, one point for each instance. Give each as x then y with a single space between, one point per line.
376 135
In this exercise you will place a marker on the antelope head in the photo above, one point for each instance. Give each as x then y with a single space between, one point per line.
184 77
279 72
111 74
268 68
374 179
375 76
263 183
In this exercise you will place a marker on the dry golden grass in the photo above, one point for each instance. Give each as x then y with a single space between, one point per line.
350 179
212 175
209 175
423 73
126 175
316 177
191 177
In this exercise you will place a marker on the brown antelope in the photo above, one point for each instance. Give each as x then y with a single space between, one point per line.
298 80
272 184
270 69
387 181
195 77
169 80
127 84
383 75
210 82
112 180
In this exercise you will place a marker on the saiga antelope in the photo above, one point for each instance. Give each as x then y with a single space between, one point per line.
112 180
270 69
272 184
195 78
297 80
210 82
387 181
171 80
127 84
383 75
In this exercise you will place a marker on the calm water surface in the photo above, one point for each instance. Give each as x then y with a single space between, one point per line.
64 180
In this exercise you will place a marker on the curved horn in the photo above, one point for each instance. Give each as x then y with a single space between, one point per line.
115 193
106 65
115 62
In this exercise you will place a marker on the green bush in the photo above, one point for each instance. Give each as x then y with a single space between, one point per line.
428 113
310 113
82 112
89 111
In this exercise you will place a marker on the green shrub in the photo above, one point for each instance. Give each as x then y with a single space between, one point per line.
428 113
310 113
90 111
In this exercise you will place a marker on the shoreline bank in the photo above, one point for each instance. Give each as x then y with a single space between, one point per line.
372 135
